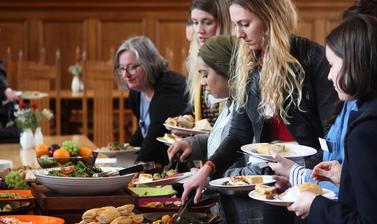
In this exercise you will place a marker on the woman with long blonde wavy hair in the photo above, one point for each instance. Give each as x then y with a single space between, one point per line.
209 18
282 94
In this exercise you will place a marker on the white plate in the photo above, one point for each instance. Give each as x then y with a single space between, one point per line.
220 184
166 141
166 180
112 153
279 202
189 131
32 95
83 185
293 151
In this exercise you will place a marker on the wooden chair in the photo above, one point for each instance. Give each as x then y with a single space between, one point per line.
109 120
38 76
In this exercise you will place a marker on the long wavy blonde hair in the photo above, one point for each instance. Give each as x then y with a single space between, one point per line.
279 84
219 9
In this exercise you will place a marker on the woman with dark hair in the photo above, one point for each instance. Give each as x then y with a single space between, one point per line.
155 94
354 75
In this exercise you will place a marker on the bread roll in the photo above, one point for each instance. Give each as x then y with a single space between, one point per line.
186 121
265 191
311 187
122 220
126 209
266 148
171 121
137 218
107 214
90 215
203 125
254 179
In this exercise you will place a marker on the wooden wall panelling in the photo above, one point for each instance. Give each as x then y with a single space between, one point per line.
12 40
113 33
66 36
172 43
317 19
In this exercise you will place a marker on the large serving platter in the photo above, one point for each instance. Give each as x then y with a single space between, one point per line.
294 151
25 194
83 185
36 219
31 95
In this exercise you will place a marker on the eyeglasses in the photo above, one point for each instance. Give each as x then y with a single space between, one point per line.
130 69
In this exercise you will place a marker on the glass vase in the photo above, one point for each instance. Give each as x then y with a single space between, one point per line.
75 85
38 136
27 152
27 139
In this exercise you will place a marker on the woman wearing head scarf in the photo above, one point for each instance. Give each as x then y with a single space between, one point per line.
214 62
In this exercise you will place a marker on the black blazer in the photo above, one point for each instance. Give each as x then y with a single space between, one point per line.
358 186
169 100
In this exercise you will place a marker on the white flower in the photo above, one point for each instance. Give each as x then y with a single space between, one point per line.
46 113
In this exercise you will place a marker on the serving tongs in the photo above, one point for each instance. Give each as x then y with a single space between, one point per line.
186 206
174 160
132 169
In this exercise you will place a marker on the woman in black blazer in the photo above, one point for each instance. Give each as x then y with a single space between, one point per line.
155 94
351 50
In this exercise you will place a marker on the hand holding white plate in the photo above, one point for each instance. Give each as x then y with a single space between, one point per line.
189 131
291 151
289 196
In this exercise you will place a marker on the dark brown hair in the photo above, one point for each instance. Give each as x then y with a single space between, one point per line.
354 41
367 7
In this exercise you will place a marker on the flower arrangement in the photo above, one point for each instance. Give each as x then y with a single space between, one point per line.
30 116
76 69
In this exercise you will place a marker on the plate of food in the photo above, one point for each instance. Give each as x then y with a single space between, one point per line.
168 139
16 195
28 219
268 193
169 177
241 183
15 207
32 95
163 204
115 148
186 124
74 180
287 150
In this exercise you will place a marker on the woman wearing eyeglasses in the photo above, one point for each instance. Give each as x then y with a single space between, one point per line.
154 94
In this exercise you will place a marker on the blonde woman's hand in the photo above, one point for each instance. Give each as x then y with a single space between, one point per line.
302 204
328 170
281 166
197 182
180 145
